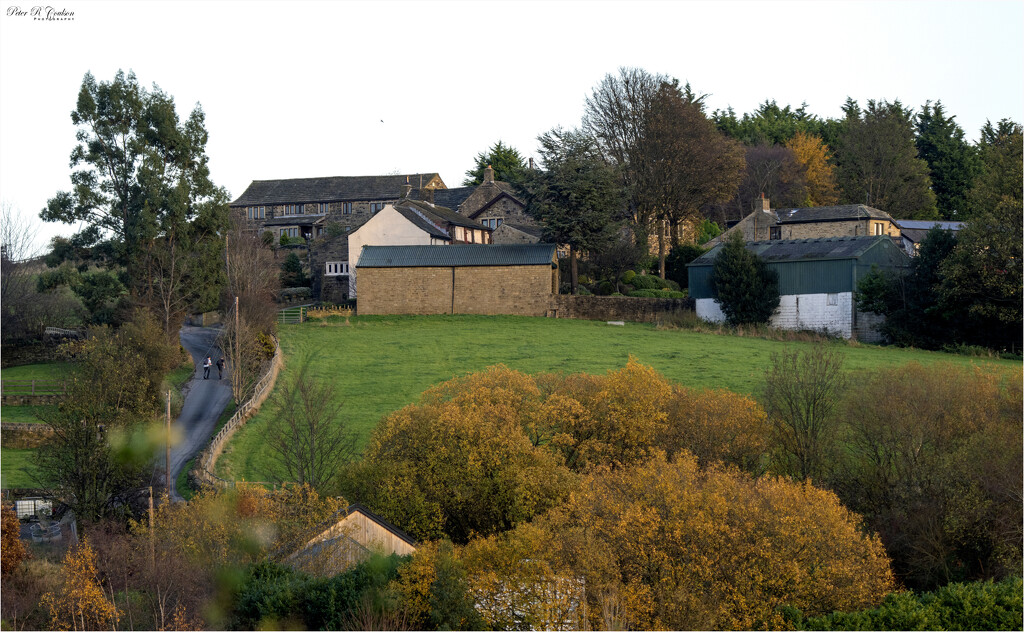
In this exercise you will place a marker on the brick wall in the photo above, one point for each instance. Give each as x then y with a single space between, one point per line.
630 308
519 290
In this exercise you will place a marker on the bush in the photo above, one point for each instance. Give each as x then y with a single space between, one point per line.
657 294
294 293
647 282
628 276
675 262
604 288
973 606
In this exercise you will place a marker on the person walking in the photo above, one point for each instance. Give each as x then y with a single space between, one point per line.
206 367
220 367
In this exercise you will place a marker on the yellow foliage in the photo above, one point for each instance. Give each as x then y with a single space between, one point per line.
242 524
812 154
12 549
670 545
80 603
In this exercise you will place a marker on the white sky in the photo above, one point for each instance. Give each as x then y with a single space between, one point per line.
294 89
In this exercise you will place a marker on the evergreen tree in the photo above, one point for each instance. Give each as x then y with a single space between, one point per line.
1002 156
576 197
508 165
292 274
952 161
142 189
877 161
747 291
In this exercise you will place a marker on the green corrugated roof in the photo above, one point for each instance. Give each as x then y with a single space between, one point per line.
457 255
801 249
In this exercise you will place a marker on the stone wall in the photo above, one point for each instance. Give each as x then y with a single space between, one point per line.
29 400
22 436
628 308
29 353
852 228
518 290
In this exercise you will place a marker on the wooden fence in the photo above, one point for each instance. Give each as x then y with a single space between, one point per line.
202 471
32 387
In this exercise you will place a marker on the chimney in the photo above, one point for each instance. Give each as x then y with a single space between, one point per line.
531 162
765 204
488 175
406 188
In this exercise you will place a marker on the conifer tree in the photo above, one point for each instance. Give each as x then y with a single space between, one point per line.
747 291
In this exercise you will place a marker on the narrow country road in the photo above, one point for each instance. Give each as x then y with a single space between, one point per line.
203 403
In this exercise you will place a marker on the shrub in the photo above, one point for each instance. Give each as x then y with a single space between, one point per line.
604 288
973 606
628 276
747 291
657 294
646 282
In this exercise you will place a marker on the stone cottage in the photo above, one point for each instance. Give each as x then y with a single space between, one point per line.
848 220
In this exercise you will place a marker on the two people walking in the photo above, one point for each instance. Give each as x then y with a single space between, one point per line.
209 363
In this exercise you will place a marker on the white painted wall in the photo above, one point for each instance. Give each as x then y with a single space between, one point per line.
806 311
387 228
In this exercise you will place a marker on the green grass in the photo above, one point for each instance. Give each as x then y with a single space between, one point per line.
16 467
21 414
45 371
381 363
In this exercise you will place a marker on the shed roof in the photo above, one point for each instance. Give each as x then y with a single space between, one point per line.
841 213
779 250
329 189
458 255
421 222
440 214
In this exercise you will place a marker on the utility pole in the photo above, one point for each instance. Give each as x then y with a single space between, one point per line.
168 445
152 537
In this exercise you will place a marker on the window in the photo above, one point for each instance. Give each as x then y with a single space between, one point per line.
289 232
256 212
832 299
335 268
263 212
346 208
491 223
775 232
322 208
878 228
376 207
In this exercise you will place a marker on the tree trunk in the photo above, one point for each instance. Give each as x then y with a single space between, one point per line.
573 271
661 248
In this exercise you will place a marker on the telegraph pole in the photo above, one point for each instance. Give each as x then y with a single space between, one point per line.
152 537
168 445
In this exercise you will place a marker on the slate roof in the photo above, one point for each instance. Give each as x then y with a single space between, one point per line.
779 250
421 223
846 212
294 220
928 224
456 255
440 214
452 198
329 189
533 231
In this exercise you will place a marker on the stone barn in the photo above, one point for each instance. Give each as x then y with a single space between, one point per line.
458 279
817 282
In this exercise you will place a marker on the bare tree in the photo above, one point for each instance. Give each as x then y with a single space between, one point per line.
16 273
307 437
801 392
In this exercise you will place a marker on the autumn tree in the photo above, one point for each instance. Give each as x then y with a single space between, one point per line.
457 467
143 193
877 161
575 196
934 467
686 164
12 548
952 162
506 161
819 174
802 390
81 602
670 545
435 589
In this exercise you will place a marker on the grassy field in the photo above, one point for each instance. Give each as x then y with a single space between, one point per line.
381 363
15 468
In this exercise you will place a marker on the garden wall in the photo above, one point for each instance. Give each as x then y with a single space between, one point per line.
629 308
22 435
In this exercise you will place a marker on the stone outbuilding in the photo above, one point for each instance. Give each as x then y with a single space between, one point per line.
817 282
458 279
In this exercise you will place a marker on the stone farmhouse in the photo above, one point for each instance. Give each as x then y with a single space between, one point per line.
849 220
459 279
913 232
817 281
325 212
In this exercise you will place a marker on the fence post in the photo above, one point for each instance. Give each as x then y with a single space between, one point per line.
33 387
